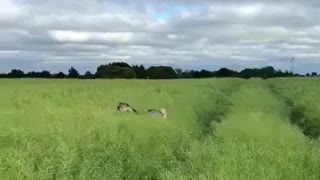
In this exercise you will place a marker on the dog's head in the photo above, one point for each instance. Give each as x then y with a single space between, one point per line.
125 107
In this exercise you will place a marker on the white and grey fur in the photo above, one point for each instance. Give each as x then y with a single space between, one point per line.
125 107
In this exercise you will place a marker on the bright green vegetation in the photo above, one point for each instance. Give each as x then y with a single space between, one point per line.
216 129
302 95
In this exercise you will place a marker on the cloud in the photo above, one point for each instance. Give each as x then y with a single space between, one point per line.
73 36
56 34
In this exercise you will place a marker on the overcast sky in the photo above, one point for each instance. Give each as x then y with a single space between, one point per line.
57 34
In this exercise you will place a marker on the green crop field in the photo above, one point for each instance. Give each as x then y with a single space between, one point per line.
216 129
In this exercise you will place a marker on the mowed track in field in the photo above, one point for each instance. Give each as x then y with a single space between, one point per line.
257 141
9 114
217 129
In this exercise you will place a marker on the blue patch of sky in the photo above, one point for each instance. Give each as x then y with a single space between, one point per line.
164 9
162 15
169 10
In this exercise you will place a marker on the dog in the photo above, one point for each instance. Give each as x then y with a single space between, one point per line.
125 107
162 113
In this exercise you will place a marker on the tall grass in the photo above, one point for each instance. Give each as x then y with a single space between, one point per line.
217 129
302 95
256 140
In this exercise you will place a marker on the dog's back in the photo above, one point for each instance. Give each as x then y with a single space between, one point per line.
162 113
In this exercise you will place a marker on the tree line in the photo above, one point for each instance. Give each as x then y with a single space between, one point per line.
124 70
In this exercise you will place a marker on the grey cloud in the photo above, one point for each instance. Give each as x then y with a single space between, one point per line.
54 35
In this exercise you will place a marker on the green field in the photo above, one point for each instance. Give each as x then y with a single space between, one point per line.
216 129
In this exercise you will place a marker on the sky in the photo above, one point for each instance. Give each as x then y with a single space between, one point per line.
190 34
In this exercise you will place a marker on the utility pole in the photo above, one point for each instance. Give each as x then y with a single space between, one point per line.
292 65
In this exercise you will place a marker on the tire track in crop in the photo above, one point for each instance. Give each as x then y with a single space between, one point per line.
256 140
253 101
297 115
8 116
215 108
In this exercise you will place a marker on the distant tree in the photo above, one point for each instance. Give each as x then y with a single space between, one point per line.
288 74
88 75
3 75
161 72
140 71
298 75
73 73
248 73
279 73
16 73
128 73
33 74
266 72
195 74
224 72
120 64
101 71
45 74
115 71
186 74
205 74
60 75
314 74
179 72
124 70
